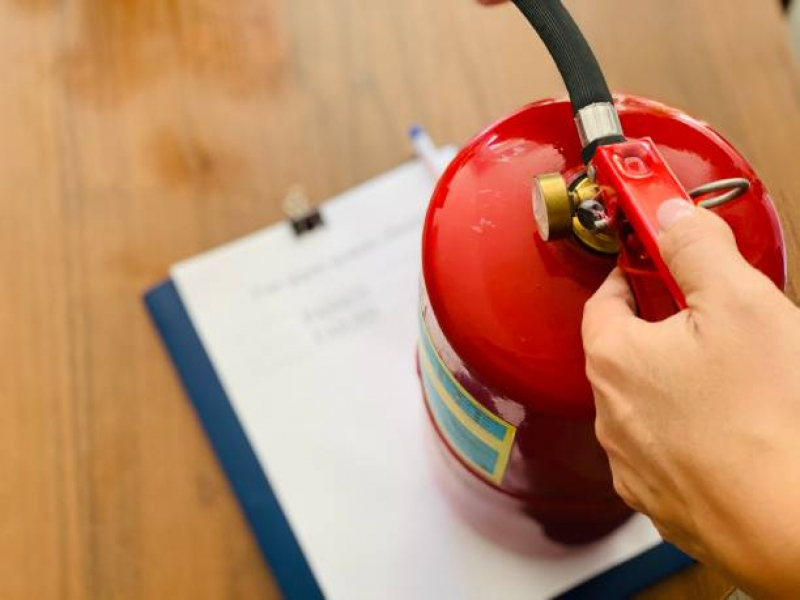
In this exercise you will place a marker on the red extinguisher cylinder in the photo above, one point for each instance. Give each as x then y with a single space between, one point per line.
500 355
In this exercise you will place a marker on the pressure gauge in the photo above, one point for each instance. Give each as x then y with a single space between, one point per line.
552 206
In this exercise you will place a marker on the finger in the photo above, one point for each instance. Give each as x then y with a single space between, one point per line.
699 249
612 302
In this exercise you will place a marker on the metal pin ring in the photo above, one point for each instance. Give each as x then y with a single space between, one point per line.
736 186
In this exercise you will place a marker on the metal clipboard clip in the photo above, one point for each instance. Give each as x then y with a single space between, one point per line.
301 214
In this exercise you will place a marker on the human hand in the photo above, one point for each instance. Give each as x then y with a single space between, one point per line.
700 414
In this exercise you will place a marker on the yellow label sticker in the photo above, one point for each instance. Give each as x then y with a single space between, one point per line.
479 437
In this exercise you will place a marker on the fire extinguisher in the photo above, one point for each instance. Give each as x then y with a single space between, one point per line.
523 227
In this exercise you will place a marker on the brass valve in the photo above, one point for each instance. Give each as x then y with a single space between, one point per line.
555 206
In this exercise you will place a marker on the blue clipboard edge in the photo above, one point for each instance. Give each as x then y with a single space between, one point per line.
273 533
633 576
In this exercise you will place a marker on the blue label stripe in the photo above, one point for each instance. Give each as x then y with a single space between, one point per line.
475 450
496 429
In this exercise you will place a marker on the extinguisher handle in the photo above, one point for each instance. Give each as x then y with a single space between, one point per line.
636 182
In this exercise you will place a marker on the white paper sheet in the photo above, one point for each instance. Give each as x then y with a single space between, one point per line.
313 339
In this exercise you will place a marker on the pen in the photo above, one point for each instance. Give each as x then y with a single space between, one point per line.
427 151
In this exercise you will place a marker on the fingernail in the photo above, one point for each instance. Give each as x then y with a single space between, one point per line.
672 211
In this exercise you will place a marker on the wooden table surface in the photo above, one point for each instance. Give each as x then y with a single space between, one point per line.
139 132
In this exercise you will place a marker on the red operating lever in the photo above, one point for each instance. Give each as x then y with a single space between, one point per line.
636 182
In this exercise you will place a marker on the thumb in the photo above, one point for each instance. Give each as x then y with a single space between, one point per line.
699 248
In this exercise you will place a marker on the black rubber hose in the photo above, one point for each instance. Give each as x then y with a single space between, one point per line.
574 58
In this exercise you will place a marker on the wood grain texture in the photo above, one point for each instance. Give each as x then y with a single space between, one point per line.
140 132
